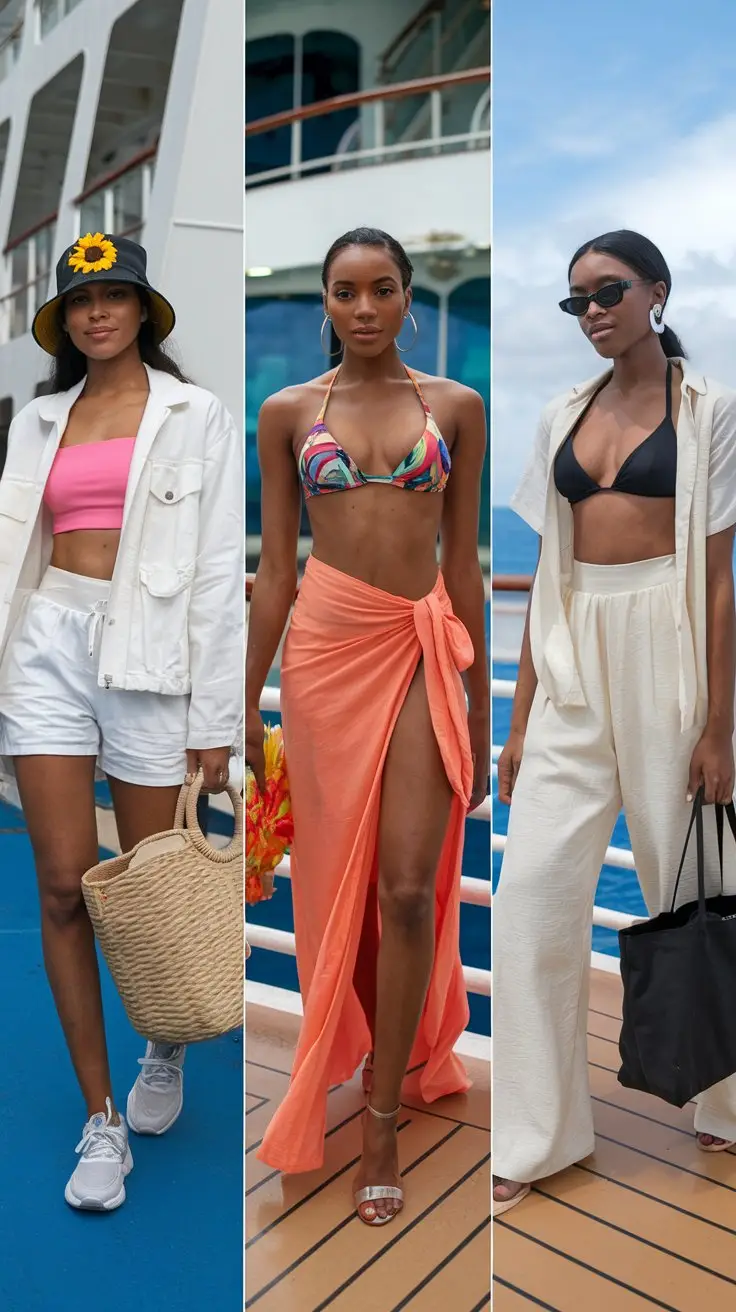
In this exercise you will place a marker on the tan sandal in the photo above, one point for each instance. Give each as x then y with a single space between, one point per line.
372 1193
501 1205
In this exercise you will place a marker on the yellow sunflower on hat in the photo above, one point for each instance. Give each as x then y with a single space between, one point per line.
93 254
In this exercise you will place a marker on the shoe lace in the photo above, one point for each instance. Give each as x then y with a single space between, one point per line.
159 1072
100 1141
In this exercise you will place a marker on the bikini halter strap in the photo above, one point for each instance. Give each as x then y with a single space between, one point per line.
328 393
333 380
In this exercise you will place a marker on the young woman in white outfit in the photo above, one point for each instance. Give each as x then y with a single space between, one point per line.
121 620
625 693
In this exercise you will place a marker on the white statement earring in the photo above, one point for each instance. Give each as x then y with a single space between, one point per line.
656 320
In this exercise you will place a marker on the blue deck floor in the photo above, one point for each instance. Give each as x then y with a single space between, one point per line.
176 1244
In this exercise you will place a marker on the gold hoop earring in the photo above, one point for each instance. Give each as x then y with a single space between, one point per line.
414 338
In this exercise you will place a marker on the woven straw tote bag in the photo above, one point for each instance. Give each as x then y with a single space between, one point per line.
169 918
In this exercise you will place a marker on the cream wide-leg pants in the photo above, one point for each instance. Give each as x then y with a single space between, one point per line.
579 766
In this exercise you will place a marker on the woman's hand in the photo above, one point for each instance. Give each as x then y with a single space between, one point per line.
508 765
215 765
712 765
480 737
254 753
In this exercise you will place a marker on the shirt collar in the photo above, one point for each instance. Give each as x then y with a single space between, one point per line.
691 379
163 387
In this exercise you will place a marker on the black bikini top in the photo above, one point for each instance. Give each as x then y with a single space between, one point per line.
649 471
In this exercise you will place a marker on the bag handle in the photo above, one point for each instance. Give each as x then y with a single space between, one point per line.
696 819
186 817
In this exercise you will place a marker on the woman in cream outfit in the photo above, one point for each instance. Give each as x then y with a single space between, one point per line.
625 694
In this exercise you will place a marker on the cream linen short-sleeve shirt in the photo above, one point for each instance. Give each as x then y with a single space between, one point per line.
705 504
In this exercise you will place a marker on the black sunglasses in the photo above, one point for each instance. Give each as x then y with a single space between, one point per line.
611 294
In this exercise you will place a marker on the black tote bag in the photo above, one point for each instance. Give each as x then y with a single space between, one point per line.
678 1035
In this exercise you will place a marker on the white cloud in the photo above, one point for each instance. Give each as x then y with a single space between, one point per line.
688 207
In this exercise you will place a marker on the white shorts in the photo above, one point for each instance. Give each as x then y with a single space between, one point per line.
50 702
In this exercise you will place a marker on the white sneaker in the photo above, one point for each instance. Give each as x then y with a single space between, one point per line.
157 1096
98 1182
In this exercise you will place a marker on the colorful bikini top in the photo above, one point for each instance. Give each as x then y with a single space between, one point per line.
324 466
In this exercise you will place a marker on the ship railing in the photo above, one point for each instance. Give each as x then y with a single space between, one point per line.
120 200
375 125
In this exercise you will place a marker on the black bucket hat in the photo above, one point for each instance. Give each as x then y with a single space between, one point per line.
99 257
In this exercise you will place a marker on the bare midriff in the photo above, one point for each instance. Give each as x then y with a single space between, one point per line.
616 528
91 552
385 536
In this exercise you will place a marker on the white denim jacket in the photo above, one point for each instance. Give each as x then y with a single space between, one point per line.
705 503
175 620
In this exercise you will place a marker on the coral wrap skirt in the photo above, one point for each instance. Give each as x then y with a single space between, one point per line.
350 655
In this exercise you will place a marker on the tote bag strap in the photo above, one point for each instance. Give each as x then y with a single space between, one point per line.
730 814
696 819
719 831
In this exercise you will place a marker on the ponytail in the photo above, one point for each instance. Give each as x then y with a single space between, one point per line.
671 344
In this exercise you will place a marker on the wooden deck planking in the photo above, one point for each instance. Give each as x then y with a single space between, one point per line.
305 1248
647 1221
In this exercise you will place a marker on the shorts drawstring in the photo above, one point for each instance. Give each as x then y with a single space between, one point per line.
97 617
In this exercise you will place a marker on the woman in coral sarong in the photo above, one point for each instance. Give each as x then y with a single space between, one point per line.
385 706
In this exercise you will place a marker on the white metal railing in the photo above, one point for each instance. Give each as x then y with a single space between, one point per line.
373 139
618 857
380 153
278 940
509 618
351 150
476 892
120 205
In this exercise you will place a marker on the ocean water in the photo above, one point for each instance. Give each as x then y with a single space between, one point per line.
515 552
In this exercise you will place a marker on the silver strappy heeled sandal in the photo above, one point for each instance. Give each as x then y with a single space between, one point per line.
373 1192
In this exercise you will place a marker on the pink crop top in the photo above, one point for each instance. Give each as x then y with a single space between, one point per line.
86 486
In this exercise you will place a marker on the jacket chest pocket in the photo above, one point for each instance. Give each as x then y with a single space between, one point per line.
171 526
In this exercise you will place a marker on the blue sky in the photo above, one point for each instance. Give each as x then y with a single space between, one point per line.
606 116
